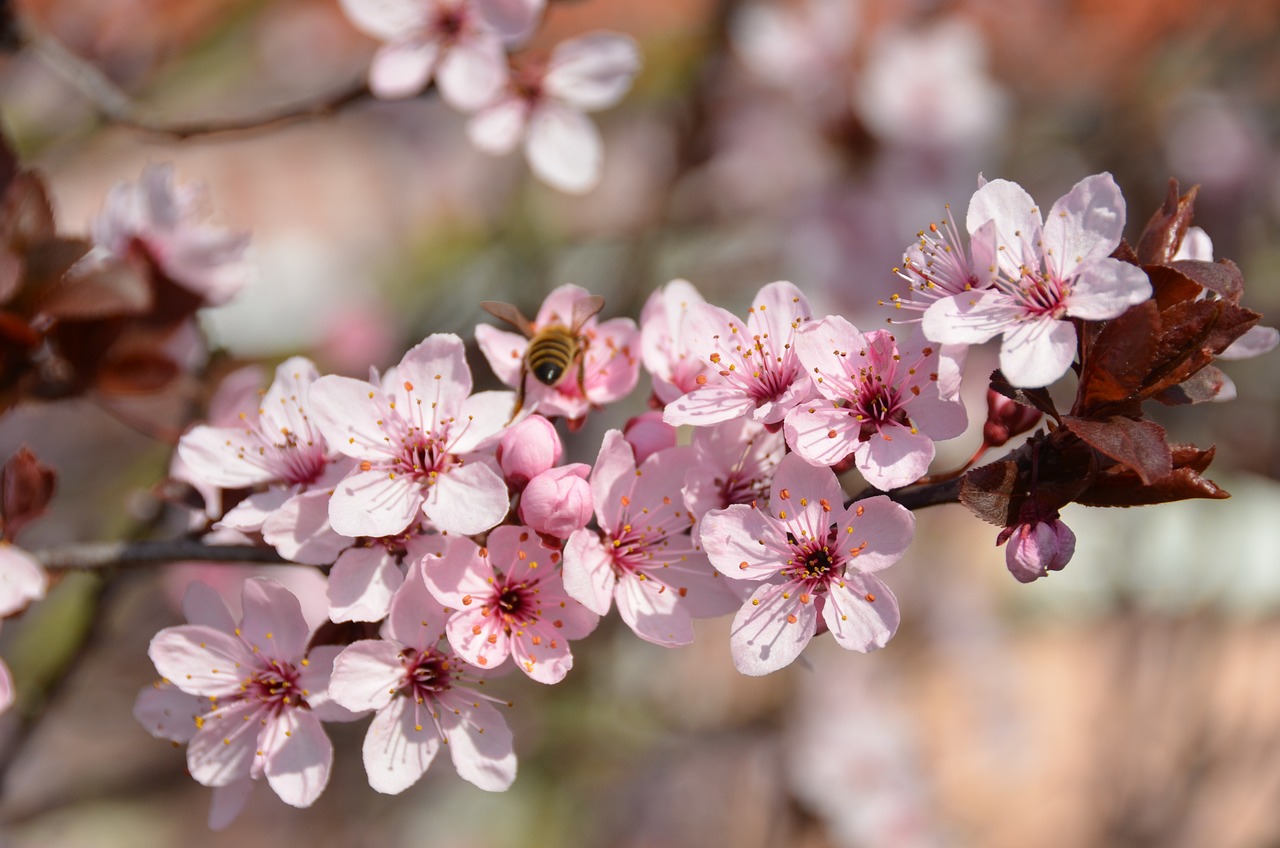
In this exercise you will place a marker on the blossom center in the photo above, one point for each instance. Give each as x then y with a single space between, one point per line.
274 687
427 673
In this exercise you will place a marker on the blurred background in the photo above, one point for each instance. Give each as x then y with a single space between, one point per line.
1130 700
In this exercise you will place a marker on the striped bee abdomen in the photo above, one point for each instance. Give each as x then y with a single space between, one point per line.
550 354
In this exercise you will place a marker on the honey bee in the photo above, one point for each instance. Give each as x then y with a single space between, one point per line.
553 350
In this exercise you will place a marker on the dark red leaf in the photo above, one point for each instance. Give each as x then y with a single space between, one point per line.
137 372
1125 253
1117 361
1170 286
26 487
1034 398
1140 445
95 288
1204 385
26 216
1163 234
1120 487
1222 276
989 492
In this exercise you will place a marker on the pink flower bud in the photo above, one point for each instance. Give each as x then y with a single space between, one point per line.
528 449
648 433
1038 547
1006 418
558 501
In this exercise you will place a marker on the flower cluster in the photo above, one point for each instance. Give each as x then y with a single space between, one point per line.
446 515
461 46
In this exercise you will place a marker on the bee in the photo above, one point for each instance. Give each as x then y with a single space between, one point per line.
553 350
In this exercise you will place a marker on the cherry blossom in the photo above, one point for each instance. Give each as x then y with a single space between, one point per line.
886 406
423 443
1049 271
609 365
819 559
673 365
266 696
755 369
160 223
510 601
545 106
643 557
422 698
364 578
733 463
457 43
277 445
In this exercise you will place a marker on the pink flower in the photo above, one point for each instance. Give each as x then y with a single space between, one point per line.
160 223
22 579
664 343
458 43
419 441
266 697
558 501
886 407
733 463
510 601
1049 272
528 448
609 366
819 558
643 557
647 434
1037 546
365 576
279 445
756 369
546 106
421 699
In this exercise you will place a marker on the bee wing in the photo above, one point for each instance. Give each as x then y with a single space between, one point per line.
585 309
507 312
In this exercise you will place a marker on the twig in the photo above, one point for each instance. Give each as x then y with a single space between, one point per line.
117 107
94 556
918 497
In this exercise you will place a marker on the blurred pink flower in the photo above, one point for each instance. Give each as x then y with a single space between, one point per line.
417 690
664 344
818 558
161 223
545 107
22 579
647 434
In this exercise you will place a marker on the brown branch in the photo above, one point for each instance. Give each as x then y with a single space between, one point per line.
95 556
115 105
918 497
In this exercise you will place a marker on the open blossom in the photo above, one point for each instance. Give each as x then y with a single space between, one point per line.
664 345
1049 271
886 406
608 364
733 463
510 602
160 223
818 559
546 106
263 697
364 578
423 443
644 557
277 444
458 43
754 367
423 698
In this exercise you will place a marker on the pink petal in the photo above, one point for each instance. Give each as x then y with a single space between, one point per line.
7 695
250 514
383 19
1016 219
855 623
480 420
468 499
894 457
1036 353
400 745
513 20
283 407
164 710
362 583
593 71
225 747
497 130
200 660
820 434
403 67
764 637
217 455
610 364
315 678
818 345
547 661
374 503
347 413
299 757
612 478
366 675
272 620
472 72
299 530
479 742
416 618
227 801
731 537
653 611
1106 288
478 637
437 368
708 405
1085 224
588 572
885 527
564 148
968 318
797 480
1256 341
777 310
22 579
460 573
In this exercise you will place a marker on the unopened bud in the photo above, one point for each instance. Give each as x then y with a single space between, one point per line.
528 449
558 501
1007 418
1037 547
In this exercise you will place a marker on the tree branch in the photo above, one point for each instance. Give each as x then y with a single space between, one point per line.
918 497
94 556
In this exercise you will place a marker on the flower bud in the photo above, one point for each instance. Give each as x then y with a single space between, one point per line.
528 449
648 433
558 501
1006 418
1038 547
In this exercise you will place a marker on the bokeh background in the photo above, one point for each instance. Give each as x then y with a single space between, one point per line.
1131 700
